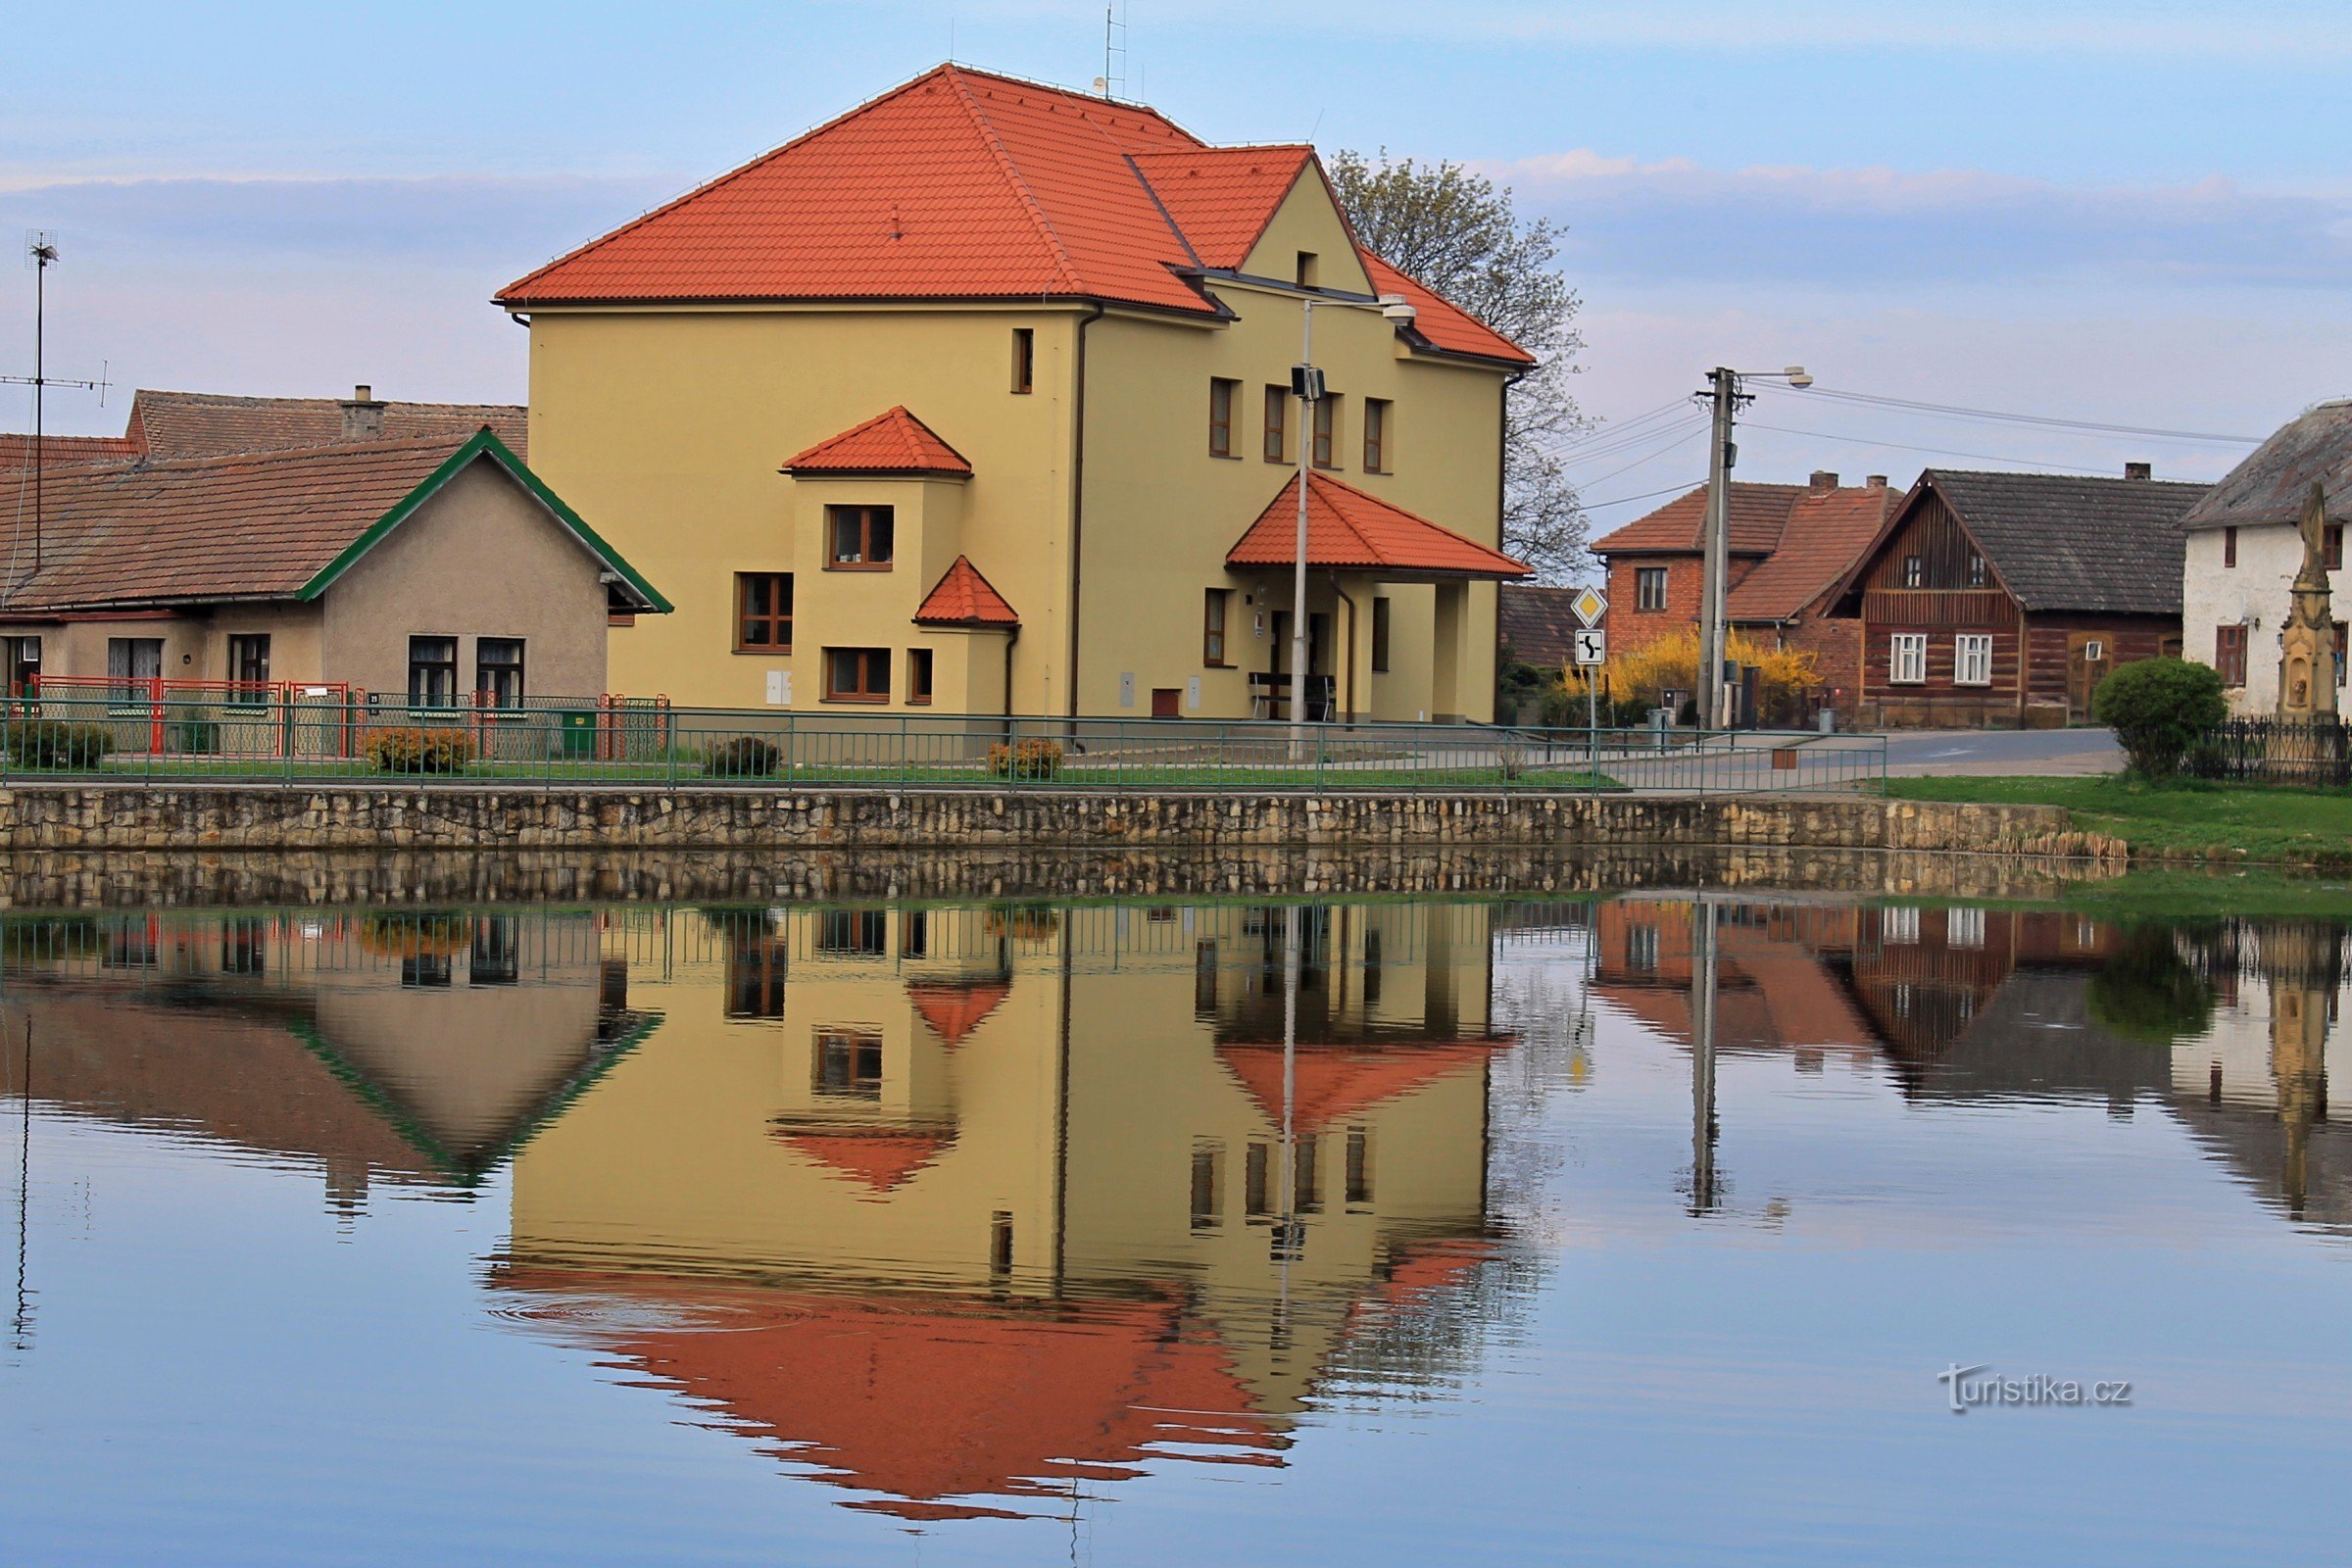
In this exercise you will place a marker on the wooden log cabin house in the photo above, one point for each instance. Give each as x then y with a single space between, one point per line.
2002 600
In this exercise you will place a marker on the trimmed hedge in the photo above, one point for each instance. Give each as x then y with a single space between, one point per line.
409 749
744 757
2158 708
54 743
1036 758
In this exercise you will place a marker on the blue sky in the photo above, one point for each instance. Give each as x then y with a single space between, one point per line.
2138 213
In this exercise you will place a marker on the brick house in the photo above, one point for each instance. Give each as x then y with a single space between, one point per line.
1791 546
2001 599
164 426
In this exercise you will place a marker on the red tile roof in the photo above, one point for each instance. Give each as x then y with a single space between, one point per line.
1760 512
963 598
960 184
57 451
1347 531
891 442
881 1159
210 424
1826 533
1221 198
1331 1083
255 525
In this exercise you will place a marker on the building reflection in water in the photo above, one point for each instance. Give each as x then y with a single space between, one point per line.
2229 1025
965 1207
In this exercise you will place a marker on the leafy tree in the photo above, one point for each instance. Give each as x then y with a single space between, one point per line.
2158 707
1458 233
2145 992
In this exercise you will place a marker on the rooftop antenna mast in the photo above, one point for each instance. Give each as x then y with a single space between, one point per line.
40 254
1114 52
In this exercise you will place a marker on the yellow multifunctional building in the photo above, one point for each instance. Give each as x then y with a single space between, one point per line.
979 399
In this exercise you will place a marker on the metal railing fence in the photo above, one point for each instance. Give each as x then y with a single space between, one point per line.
553 742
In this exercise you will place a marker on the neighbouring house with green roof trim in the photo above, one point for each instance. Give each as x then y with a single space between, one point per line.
424 570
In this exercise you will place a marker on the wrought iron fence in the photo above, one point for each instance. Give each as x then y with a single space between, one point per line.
549 742
2275 751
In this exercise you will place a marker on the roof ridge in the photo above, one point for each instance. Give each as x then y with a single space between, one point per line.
1161 207
266 455
1012 176
1391 505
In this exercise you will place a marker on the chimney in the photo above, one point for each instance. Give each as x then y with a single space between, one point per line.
1824 479
362 414
1877 481
2140 470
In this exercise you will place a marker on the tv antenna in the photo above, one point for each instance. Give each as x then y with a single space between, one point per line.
41 255
1114 51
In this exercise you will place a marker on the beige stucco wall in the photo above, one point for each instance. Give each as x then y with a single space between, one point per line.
667 428
481 558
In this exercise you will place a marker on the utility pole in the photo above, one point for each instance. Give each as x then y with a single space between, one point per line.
1309 385
1706 1188
1723 387
40 254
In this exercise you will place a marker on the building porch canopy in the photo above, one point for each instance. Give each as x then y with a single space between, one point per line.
1349 530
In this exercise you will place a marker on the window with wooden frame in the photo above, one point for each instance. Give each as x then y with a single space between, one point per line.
1376 435
848 1064
2332 547
853 933
1327 430
860 538
1380 636
1223 394
2339 628
918 677
1978 574
1972 659
1024 359
1309 269
763 611
1649 588
432 671
1907 658
1216 604
857 675
249 667
1915 571
1277 443
497 671
2229 547
2230 653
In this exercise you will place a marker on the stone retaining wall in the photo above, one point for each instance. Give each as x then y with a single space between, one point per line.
198 817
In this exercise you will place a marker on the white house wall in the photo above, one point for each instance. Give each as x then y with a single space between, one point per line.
2256 592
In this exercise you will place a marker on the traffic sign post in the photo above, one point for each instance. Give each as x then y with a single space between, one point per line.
1592 647
1589 650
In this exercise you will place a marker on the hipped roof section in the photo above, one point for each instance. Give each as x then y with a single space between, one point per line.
965 185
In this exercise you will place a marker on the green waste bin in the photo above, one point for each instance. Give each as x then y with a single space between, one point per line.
578 731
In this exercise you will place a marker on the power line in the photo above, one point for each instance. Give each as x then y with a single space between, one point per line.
1902 446
1629 440
1683 440
1647 494
2046 421
1611 432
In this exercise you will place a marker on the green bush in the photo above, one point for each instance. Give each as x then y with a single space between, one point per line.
2145 992
744 757
407 749
54 743
2158 707
194 736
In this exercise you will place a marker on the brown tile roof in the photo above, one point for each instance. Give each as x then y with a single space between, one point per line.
2065 541
1536 622
1760 512
1347 531
1826 533
963 598
258 525
57 451
208 424
962 185
2274 482
891 442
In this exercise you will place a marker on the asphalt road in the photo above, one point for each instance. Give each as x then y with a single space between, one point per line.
1915 753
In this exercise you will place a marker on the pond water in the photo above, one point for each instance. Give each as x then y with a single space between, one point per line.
1637 1230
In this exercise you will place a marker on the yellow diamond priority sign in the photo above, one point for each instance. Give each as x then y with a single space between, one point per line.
1589 605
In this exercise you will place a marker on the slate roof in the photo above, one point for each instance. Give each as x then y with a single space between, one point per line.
963 598
255 525
2063 541
208 424
1536 622
2275 480
894 441
962 185
1347 531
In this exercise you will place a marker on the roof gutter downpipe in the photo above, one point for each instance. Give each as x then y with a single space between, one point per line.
1093 314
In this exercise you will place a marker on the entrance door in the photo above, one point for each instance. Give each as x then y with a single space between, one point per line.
2087 657
23 663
